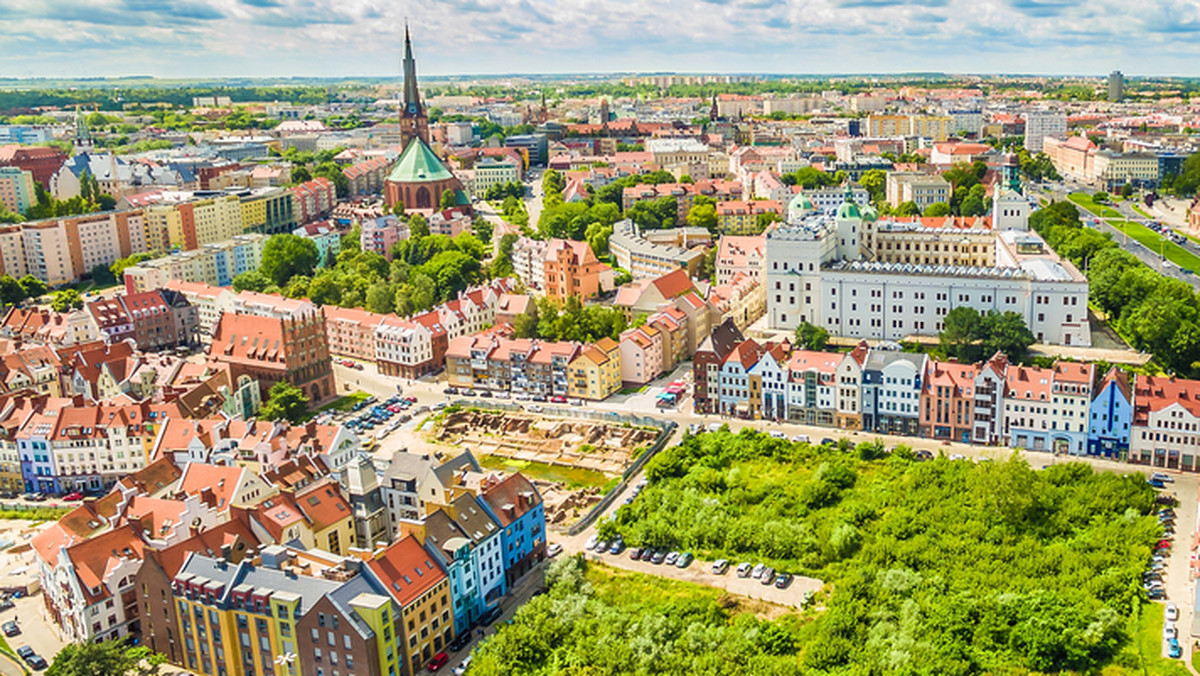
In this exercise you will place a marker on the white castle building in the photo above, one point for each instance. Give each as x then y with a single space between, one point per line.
861 277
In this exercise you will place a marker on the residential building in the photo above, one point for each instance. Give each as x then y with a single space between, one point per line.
414 485
1110 416
408 348
212 264
1166 418
572 270
948 400
891 392
16 189
381 234
918 187
706 366
529 260
41 161
351 332
516 505
595 373
467 542
1042 124
492 171
740 255
642 358
745 218
419 585
645 259
1047 409
313 200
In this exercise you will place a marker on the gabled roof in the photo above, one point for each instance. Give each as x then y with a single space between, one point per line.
407 570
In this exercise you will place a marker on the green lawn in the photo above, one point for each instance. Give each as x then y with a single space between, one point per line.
573 477
1149 238
1146 649
345 403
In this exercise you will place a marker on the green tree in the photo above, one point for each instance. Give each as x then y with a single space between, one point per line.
102 275
448 200
33 286
1127 190
252 280
908 209
11 292
937 210
708 264
285 401
482 229
105 658
285 256
332 171
380 298
874 181
66 300
811 336
525 326
809 177
300 175
418 227
703 216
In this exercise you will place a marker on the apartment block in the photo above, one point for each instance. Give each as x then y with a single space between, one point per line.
213 264
16 189
572 270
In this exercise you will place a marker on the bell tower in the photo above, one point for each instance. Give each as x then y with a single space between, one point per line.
413 121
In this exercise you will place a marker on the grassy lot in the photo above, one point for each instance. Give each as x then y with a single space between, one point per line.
1149 238
345 403
1145 651
573 477
47 513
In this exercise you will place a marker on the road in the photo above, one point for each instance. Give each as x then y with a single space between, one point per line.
1153 259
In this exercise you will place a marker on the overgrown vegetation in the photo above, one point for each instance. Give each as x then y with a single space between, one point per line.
570 321
940 567
597 620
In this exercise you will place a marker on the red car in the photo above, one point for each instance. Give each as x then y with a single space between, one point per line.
439 660
73 496
411 400
1162 544
558 399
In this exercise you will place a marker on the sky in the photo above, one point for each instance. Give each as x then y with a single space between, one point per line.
344 38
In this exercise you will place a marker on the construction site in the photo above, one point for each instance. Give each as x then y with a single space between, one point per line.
570 460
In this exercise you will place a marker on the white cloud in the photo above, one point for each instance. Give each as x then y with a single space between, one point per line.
193 38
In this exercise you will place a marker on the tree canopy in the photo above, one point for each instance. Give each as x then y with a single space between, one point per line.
105 658
970 337
939 567
285 256
811 336
285 401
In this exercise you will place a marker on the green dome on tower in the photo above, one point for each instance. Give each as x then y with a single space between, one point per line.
800 202
849 208
869 213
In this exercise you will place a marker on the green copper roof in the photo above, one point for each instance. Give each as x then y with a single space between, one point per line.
418 164
800 201
849 208
869 213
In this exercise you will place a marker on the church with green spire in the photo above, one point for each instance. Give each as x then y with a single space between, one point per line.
419 177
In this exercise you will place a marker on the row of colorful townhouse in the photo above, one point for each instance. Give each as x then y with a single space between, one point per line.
1069 408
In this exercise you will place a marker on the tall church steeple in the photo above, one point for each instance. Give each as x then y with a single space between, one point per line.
413 122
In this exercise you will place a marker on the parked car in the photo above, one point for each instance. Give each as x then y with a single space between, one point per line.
783 580
10 628
743 569
1162 476
25 652
1156 483
1156 594
591 542
1172 613
490 615
648 554
758 571
602 546
72 496
462 667
671 558
684 560
658 557
1173 649
554 550
486 394
1169 631
461 641
714 427
439 660
800 438
36 662
635 554
768 576
617 546
720 566
558 399
776 434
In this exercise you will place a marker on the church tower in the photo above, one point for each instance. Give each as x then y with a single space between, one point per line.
713 112
413 121
83 136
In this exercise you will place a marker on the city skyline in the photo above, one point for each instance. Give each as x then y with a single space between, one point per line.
324 38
